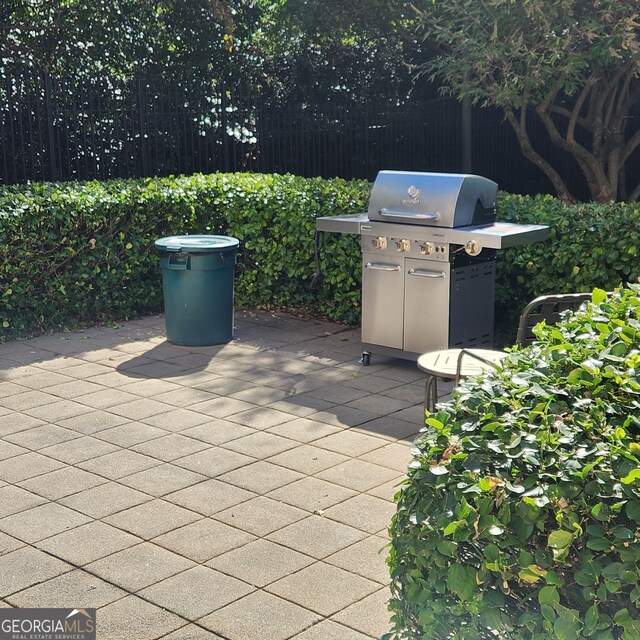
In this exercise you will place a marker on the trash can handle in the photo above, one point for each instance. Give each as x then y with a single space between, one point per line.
179 262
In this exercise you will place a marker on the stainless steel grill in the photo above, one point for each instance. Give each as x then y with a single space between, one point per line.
429 243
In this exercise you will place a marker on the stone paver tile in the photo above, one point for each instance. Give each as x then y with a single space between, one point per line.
41 522
213 462
192 632
166 478
308 459
261 395
107 398
390 428
366 558
260 562
87 543
8 450
341 416
26 466
261 477
86 370
130 433
370 615
184 397
151 387
15 499
317 536
204 539
260 516
383 405
170 447
40 437
62 482
412 392
9 544
414 414
300 406
304 430
371 383
261 417
395 455
73 389
119 464
27 400
338 394
260 445
153 518
222 406
14 422
132 617
79 450
312 494
209 497
140 408
358 475
176 420
329 630
8 389
364 512
196 592
27 566
92 422
259 615
60 410
388 490
323 588
105 499
218 431
78 587
350 443
137 567
224 386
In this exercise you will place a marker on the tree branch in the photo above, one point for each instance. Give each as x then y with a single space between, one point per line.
520 128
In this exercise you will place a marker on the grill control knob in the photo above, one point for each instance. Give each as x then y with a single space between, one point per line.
427 248
403 245
473 247
379 243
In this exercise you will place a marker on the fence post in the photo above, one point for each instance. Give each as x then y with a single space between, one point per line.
467 136
142 103
49 122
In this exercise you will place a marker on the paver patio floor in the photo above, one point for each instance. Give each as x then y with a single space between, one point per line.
241 491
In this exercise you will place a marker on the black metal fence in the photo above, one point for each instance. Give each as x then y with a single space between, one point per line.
64 129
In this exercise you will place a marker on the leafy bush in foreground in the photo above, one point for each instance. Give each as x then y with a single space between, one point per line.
520 515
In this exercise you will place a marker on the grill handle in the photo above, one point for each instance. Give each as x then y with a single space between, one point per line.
426 274
390 213
377 266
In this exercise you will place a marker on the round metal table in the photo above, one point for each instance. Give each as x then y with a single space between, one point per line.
454 364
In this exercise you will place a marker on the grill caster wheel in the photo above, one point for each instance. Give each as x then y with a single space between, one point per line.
365 360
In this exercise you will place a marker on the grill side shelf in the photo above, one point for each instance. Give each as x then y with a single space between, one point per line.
342 224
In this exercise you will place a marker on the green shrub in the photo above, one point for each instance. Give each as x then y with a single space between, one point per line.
519 516
590 245
78 253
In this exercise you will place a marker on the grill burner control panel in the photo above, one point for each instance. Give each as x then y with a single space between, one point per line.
388 246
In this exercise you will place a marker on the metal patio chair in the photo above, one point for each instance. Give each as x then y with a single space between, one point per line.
457 364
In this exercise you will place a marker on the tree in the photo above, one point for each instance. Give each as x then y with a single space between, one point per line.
572 64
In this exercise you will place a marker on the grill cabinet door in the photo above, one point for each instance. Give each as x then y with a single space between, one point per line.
426 305
382 300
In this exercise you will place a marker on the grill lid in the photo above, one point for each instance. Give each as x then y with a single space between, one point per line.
433 199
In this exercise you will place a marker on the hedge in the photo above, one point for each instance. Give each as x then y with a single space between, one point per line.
520 515
80 253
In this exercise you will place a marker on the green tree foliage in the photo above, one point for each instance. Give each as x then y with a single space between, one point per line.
572 64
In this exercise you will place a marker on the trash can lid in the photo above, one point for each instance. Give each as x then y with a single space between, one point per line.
197 244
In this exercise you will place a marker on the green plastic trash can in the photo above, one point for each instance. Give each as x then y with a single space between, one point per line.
197 279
